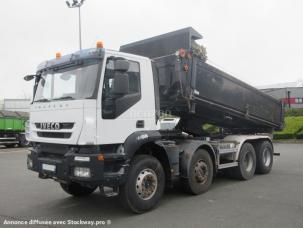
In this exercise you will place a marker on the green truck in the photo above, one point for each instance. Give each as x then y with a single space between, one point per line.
12 128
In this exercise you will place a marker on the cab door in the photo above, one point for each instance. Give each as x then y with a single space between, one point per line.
126 101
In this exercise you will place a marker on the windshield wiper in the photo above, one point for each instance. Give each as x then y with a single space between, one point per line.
64 98
42 100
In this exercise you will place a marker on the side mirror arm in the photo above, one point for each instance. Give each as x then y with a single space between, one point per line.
30 77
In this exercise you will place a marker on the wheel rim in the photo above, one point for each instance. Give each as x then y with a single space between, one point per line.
266 157
25 142
248 162
146 184
201 172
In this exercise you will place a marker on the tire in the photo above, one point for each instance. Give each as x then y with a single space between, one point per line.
23 142
77 190
144 170
10 145
264 155
200 174
247 163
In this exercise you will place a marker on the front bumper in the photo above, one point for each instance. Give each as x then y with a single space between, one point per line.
111 171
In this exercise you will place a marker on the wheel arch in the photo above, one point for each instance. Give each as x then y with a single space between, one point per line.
255 142
159 152
145 142
242 139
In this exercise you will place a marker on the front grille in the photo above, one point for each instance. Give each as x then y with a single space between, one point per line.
57 156
62 135
50 150
68 125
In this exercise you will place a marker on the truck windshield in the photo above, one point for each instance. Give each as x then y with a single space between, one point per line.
71 83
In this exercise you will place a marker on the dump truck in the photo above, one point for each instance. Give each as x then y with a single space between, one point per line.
95 121
12 128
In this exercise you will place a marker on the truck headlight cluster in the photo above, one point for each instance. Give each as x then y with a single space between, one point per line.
82 159
82 172
29 163
27 130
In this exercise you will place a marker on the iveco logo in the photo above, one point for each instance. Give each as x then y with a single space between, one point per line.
50 126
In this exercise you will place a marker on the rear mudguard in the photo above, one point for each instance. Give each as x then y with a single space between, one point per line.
189 147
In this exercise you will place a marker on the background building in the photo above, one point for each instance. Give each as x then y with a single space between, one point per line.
291 93
21 105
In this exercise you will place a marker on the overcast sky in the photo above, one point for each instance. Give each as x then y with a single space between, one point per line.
258 41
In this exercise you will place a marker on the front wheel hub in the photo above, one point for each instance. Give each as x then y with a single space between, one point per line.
201 172
146 184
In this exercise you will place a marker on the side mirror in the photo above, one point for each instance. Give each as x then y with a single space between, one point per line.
121 65
121 83
29 77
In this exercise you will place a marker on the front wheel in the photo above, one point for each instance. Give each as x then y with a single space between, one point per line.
77 190
144 185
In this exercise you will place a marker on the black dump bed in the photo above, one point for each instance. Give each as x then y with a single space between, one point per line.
200 93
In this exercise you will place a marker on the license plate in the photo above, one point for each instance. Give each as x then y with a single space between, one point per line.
48 167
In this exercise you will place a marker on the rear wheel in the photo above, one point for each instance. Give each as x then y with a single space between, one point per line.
145 184
22 141
247 163
10 145
200 174
264 154
77 190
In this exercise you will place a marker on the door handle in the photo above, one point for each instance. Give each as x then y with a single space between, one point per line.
140 124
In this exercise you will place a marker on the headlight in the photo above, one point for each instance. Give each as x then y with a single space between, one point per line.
27 130
29 163
82 172
82 159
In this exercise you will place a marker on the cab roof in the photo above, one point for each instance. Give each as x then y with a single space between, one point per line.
84 54
71 59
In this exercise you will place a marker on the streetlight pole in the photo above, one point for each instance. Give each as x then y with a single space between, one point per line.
80 38
77 4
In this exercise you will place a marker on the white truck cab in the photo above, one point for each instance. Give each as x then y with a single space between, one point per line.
78 105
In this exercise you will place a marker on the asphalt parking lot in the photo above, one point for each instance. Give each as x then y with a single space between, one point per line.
273 200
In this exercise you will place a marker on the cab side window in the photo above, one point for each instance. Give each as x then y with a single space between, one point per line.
121 87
